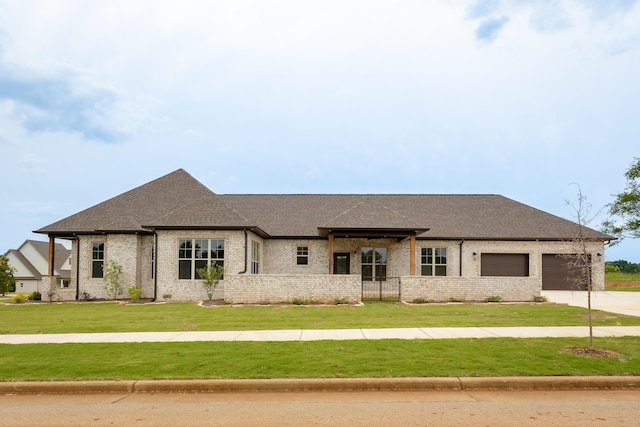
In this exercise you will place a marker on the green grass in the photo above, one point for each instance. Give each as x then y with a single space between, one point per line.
113 317
625 282
317 359
622 277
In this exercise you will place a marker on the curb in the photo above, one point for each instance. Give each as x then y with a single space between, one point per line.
323 385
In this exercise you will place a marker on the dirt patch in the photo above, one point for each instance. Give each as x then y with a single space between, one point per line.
211 303
593 352
625 284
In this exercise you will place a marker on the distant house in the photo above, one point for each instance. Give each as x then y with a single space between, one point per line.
31 262
322 247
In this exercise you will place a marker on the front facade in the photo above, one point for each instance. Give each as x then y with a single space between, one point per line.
322 248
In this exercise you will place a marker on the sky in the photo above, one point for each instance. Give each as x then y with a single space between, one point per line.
533 100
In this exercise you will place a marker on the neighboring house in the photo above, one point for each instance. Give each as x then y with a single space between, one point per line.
31 261
333 247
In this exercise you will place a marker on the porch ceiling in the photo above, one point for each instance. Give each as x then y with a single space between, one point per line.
371 233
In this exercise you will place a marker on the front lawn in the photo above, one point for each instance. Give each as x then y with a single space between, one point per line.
317 359
54 318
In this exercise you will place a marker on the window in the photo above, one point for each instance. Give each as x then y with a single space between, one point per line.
255 257
198 253
62 283
374 264
97 259
302 255
433 262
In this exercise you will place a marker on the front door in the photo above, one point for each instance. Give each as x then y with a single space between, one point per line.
341 263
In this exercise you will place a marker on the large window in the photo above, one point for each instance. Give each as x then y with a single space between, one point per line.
255 257
374 264
433 262
198 253
97 259
302 255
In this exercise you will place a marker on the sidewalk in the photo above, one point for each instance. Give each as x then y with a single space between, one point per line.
325 334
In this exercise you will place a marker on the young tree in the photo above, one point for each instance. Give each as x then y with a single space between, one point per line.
112 279
6 275
211 275
580 260
625 209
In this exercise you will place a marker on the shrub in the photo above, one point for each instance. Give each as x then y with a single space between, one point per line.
299 301
112 281
166 296
135 292
495 298
540 298
339 301
35 296
420 301
211 276
18 298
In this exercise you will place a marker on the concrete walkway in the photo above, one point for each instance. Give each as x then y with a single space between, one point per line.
325 334
615 302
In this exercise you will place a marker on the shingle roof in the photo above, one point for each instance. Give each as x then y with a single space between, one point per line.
445 216
174 200
178 201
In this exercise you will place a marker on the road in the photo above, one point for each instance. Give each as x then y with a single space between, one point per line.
481 408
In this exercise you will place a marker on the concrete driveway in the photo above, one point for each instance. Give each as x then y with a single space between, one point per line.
615 302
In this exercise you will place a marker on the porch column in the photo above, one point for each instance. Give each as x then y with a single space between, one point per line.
52 245
412 256
330 253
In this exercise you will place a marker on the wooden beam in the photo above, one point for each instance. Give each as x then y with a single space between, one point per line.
52 252
412 256
330 253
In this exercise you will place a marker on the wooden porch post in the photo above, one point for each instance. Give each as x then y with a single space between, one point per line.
412 256
330 253
52 245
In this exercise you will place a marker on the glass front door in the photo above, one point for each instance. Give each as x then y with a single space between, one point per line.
374 264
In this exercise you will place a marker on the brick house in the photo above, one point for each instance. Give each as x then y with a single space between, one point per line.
332 247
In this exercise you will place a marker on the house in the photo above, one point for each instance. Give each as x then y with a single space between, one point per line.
321 247
31 262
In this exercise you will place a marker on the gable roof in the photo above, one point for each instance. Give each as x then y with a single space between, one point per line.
179 201
175 200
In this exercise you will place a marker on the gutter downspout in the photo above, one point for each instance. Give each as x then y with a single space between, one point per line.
77 268
155 266
246 249
461 242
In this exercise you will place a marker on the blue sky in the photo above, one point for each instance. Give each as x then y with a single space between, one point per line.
520 98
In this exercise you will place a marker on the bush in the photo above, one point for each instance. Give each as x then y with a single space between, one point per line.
135 292
495 298
18 298
34 296
540 298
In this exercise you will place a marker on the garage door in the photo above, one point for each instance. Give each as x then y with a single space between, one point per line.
506 265
562 272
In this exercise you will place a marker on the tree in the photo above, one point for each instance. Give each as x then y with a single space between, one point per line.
211 275
6 275
625 209
580 260
112 281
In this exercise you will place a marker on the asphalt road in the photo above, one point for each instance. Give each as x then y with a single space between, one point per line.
433 408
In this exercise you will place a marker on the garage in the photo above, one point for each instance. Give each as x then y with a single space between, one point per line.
562 273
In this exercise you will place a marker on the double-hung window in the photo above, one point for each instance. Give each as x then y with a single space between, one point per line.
97 259
434 262
302 255
198 253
